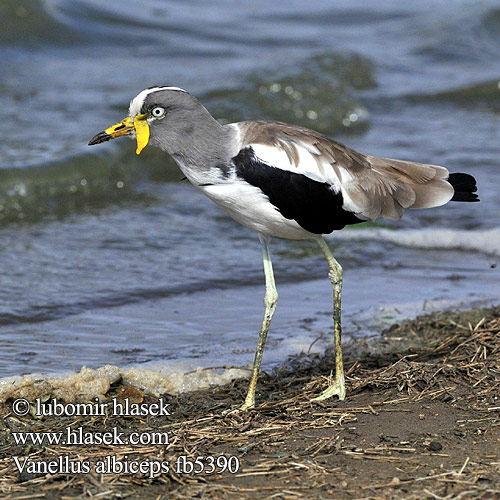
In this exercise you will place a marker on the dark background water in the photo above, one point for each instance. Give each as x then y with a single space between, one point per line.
109 257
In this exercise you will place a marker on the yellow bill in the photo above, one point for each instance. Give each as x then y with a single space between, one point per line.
125 127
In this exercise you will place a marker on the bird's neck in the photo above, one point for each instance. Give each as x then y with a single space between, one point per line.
208 151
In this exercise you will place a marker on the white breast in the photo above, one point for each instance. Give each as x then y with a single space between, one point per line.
249 206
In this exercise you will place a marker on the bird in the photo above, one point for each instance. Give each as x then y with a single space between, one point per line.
285 181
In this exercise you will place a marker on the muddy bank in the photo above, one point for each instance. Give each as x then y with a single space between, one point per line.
422 420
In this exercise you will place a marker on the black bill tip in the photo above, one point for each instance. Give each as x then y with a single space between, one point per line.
100 137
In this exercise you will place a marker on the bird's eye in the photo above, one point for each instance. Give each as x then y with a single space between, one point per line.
158 112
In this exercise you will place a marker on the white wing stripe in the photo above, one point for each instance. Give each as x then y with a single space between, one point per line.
311 166
308 164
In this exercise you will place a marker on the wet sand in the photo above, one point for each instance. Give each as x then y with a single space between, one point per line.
421 420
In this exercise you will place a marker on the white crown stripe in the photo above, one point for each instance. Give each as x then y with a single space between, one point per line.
137 102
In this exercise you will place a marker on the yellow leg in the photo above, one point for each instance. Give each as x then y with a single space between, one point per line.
335 275
270 301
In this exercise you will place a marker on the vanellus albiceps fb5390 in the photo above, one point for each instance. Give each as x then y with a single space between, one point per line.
285 181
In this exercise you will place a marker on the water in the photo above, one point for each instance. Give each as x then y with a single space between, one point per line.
110 258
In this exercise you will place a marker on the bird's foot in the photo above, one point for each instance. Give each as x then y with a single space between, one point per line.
230 411
335 389
247 405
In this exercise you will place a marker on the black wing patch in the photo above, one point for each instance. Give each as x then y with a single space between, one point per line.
312 204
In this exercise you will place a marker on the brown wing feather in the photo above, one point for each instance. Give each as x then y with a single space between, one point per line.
372 187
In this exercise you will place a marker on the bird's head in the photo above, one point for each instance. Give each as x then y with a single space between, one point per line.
158 116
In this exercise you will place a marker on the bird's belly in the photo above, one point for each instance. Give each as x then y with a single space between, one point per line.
249 206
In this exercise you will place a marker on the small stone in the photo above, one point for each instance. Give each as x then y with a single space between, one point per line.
435 446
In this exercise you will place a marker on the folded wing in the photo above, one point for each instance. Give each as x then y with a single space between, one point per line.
371 187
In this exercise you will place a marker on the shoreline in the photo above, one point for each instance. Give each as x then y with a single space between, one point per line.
421 420
185 375
206 328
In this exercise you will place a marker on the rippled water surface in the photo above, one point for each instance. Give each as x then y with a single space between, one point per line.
110 257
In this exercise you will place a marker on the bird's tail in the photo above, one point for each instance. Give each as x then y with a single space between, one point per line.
464 186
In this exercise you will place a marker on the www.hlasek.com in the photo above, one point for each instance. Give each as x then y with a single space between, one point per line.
109 464
80 437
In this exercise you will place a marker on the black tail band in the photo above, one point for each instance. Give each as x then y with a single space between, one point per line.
464 186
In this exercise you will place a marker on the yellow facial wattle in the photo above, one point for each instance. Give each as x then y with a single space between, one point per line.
141 132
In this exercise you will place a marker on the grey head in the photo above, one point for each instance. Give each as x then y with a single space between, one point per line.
176 122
